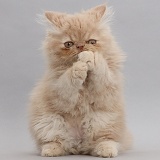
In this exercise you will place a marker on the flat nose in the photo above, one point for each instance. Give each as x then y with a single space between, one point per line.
80 46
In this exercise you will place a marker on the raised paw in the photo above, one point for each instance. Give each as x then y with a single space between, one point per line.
79 72
106 149
52 150
88 58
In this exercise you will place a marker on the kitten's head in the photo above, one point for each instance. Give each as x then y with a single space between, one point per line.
69 35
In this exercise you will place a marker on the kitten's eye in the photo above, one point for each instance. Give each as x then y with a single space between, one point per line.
68 44
92 41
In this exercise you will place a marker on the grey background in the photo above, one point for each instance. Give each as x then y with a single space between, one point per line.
136 26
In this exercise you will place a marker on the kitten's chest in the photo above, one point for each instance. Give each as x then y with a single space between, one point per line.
87 99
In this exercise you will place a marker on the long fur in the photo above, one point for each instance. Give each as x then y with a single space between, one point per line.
78 106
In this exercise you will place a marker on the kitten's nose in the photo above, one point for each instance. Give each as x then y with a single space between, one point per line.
80 46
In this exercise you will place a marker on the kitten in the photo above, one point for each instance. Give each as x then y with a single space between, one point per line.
78 106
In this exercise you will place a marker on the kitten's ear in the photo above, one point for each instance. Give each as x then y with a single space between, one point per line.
55 18
97 12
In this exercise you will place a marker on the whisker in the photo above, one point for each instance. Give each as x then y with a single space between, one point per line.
70 58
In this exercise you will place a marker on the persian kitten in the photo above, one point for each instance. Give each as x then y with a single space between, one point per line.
78 106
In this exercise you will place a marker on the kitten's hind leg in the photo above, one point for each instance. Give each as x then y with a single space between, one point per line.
52 149
106 149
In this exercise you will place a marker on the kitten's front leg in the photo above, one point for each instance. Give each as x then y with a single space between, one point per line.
73 78
97 65
68 85
87 57
78 74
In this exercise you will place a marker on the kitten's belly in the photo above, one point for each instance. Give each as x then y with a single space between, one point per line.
75 130
76 133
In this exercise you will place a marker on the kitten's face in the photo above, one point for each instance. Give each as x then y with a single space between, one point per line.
76 33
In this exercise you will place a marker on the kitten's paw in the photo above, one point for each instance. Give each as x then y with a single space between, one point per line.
88 58
52 150
79 72
107 149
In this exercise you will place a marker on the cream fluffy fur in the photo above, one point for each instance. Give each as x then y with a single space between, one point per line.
78 107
